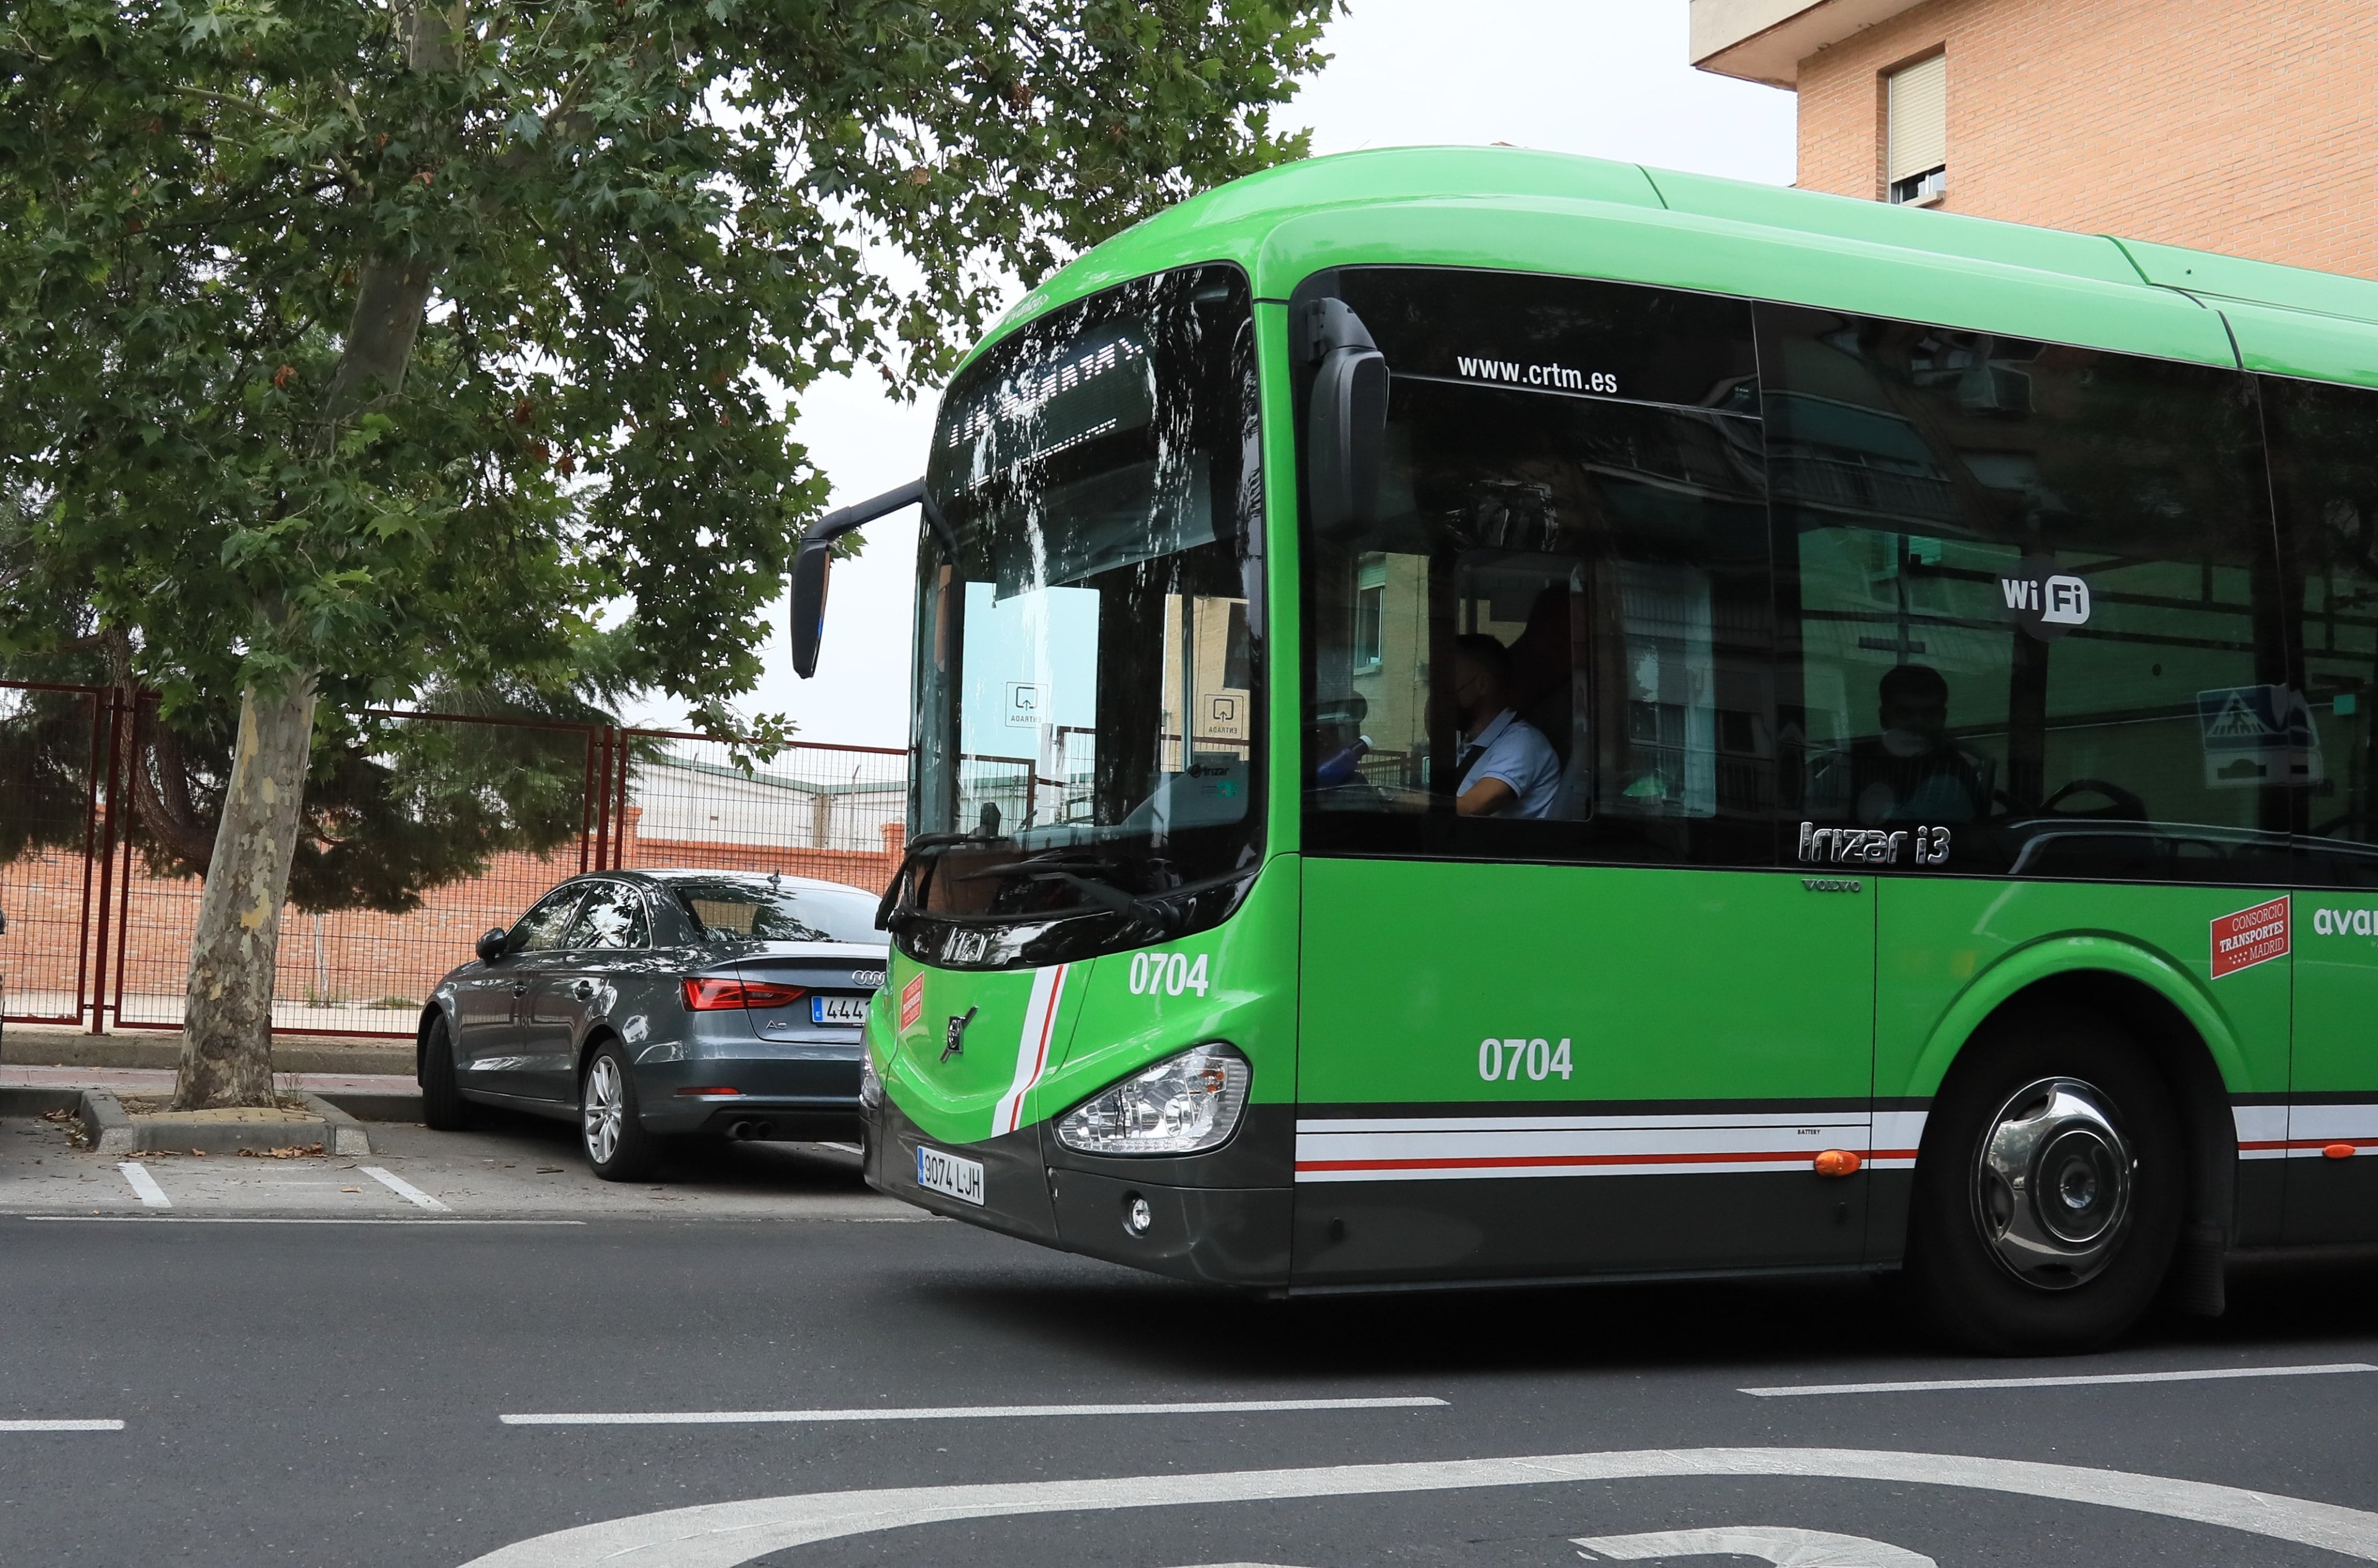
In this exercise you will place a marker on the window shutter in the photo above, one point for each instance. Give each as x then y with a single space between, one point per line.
1919 117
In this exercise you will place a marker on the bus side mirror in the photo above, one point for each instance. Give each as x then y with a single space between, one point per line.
1348 444
809 569
816 553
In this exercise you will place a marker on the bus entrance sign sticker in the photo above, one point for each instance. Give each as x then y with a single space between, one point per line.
912 1003
2250 937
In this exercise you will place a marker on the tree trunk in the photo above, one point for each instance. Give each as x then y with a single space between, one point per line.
227 1017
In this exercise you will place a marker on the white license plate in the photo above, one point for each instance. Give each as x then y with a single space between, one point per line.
837 1010
959 1178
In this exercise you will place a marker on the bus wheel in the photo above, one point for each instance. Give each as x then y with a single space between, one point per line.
2049 1191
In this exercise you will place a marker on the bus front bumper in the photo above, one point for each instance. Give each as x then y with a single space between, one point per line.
1214 1235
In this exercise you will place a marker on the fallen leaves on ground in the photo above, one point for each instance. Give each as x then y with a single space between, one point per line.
293 1151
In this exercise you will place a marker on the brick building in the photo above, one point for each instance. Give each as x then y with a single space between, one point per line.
2249 127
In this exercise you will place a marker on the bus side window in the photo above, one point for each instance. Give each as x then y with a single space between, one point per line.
2326 486
2027 595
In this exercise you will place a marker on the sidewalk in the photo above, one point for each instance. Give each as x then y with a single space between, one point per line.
45 1044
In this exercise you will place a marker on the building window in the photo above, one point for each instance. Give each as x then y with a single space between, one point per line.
1916 131
1370 612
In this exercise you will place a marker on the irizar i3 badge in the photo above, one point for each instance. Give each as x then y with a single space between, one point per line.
954 1039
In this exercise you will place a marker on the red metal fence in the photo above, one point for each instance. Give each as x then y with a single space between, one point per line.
95 940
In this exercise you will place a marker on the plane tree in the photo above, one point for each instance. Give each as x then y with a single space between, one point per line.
358 348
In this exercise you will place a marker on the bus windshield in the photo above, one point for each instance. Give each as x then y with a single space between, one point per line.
1088 671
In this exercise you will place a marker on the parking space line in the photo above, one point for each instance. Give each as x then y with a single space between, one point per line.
956 1412
269 1220
61 1426
144 1186
2202 1374
401 1188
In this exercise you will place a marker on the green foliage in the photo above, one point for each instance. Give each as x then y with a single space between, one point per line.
639 223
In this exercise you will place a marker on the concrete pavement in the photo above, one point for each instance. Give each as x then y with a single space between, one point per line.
337 1394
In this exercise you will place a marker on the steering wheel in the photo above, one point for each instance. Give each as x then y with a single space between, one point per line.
2329 828
2125 808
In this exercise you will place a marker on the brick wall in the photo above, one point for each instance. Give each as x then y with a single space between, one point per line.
334 969
2249 127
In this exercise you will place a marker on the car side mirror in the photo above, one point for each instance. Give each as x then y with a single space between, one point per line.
491 943
1347 443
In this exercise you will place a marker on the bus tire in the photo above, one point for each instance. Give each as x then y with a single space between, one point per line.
2049 1189
442 1104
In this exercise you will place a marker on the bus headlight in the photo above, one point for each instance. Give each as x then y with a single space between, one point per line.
1181 1105
870 1085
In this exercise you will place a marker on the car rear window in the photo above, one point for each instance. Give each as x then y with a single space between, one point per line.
756 911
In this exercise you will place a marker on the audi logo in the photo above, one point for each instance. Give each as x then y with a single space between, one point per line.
870 978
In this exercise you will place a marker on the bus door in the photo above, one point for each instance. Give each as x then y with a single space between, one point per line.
2326 487
1562 1013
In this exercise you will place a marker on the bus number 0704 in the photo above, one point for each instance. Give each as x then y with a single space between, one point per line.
1504 1060
1168 974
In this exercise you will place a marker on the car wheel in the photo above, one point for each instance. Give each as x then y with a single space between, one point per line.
2049 1189
442 1104
610 1127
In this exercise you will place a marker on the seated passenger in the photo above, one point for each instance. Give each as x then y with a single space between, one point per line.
1503 766
1913 772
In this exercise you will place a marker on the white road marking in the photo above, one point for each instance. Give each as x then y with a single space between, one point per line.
144 1186
722 1534
61 1426
1774 1544
268 1219
2202 1374
401 1188
954 1412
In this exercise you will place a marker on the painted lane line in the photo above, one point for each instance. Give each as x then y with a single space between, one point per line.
1782 1546
724 1535
2204 1374
402 1189
61 1426
954 1412
267 1219
144 1186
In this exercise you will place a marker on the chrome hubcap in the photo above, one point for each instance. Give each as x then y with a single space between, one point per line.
2052 1184
602 1109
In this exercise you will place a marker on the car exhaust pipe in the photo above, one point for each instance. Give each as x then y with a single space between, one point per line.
742 1131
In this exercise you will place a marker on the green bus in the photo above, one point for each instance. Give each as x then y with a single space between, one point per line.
1485 717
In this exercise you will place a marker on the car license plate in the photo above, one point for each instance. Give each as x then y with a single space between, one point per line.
958 1177
837 1010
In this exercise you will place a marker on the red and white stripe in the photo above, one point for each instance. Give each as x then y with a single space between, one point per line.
1485 1148
2304 1132
1032 1044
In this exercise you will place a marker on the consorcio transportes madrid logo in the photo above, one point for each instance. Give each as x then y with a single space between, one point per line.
2250 937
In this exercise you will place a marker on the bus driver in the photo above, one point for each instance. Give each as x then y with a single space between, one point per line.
1504 767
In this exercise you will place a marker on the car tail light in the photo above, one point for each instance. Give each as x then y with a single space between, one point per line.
713 993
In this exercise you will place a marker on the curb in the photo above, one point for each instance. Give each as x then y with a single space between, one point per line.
116 1133
36 1099
373 1104
347 1135
110 1128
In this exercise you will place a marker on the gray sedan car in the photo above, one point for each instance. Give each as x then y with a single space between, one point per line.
645 1005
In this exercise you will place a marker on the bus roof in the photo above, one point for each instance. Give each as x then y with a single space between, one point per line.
1514 209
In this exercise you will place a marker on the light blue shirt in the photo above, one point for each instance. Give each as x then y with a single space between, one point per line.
1515 752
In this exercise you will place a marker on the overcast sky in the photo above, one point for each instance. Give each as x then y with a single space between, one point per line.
1605 78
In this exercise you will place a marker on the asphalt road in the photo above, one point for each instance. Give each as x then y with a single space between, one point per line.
334 1394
